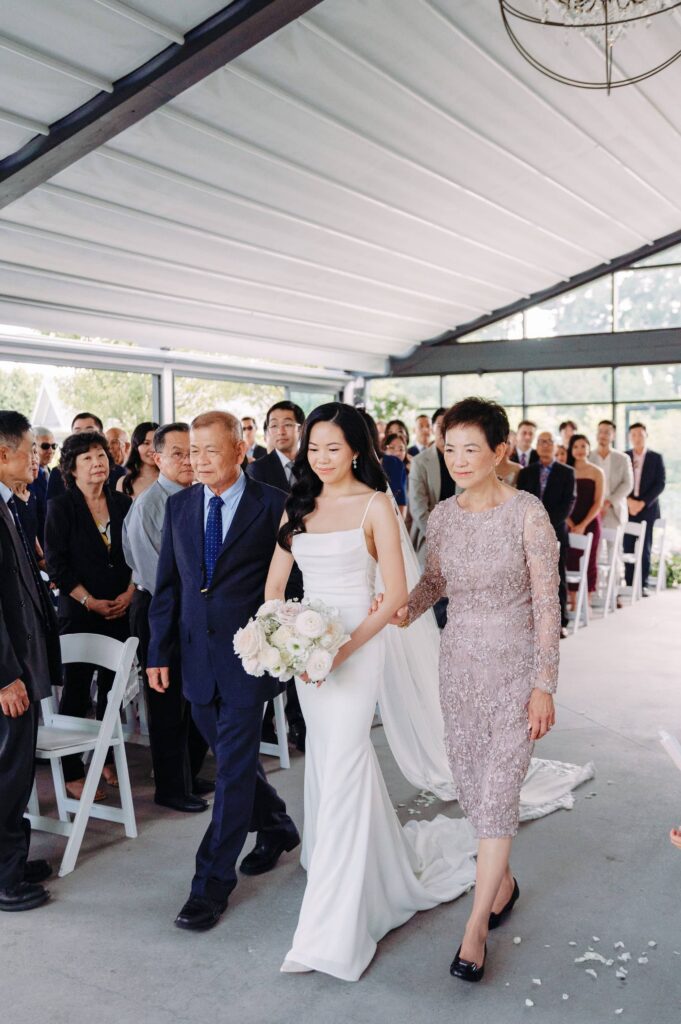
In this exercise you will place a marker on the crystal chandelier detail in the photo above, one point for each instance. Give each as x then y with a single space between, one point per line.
600 23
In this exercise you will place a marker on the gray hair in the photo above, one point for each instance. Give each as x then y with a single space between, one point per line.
230 423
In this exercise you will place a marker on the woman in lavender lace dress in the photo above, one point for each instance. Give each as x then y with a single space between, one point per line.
492 551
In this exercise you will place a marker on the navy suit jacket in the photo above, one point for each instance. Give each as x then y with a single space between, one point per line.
560 493
653 481
206 622
269 470
39 488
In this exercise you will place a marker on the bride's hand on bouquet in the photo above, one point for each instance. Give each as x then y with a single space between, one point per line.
675 836
541 714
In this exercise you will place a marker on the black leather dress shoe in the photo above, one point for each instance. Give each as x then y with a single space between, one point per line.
188 804
496 919
24 896
202 787
267 851
297 733
37 871
200 913
466 969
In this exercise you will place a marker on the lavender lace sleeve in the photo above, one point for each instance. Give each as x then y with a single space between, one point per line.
432 585
541 553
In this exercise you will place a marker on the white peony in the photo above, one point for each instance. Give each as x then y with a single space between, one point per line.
282 637
269 608
310 624
247 641
252 666
318 664
269 658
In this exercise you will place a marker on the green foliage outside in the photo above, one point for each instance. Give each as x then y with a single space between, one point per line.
19 388
194 395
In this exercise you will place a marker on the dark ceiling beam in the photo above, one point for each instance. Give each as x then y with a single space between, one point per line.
586 277
622 348
208 47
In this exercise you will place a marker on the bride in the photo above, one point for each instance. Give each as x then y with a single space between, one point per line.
365 876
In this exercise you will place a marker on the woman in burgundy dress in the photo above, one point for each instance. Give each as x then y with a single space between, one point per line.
585 516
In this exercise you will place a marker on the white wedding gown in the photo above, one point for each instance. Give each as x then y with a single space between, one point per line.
366 873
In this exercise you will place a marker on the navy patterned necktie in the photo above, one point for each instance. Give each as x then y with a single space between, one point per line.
212 541
33 565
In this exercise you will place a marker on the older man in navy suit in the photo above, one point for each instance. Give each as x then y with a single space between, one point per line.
218 540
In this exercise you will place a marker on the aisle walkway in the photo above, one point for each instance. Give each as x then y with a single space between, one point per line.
105 949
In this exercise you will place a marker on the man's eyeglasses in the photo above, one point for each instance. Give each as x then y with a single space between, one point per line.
45 445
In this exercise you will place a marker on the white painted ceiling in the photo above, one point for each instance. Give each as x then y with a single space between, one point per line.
374 174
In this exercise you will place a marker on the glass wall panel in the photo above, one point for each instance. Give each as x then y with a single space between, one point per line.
501 330
637 383
587 417
671 255
663 422
584 310
309 400
51 395
648 299
506 388
590 384
404 397
197 394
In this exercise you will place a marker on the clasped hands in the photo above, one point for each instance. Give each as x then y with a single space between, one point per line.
114 609
635 505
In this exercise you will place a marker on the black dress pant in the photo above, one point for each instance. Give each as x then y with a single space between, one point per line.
177 747
17 770
629 544
75 701
244 800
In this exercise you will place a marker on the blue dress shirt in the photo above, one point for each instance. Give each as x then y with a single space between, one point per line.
230 501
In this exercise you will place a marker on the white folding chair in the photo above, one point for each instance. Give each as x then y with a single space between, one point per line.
136 712
280 748
635 558
580 542
659 553
64 734
609 567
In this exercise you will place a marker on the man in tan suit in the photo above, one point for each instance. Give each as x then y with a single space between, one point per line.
619 481
429 483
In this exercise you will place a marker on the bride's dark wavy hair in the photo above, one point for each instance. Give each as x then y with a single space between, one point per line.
308 486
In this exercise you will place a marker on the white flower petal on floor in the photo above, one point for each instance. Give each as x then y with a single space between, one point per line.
652 944
618 945
620 1011
517 940
590 970
624 957
565 996
643 959
621 973
572 943
528 1002
536 981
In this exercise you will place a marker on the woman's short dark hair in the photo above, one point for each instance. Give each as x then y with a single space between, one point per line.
134 461
79 444
489 416
308 485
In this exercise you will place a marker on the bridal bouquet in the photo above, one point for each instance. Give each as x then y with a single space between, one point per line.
289 638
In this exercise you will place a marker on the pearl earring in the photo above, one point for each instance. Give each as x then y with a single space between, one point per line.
354 462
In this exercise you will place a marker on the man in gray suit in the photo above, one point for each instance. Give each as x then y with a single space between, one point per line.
29 665
429 483
619 480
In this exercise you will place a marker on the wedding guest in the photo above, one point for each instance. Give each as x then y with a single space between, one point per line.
380 427
555 486
218 540
177 747
141 470
643 502
47 447
81 422
393 468
284 422
507 470
513 444
254 450
496 700
119 444
565 431
429 483
561 454
397 446
424 434
619 480
27 507
396 427
29 666
84 556
524 452
586 512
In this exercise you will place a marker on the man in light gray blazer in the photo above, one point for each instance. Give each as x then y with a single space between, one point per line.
427 477
619 476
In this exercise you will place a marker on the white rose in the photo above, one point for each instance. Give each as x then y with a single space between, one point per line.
310 624
318 664
288 613
252 666
269 658
269 608
247 640
282 637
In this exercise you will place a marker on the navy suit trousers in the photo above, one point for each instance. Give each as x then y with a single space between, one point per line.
244 800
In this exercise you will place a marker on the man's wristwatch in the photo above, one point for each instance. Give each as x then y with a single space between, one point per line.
84 602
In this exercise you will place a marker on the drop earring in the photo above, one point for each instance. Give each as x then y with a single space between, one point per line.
354 462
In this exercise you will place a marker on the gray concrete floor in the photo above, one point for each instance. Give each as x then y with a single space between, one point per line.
105 949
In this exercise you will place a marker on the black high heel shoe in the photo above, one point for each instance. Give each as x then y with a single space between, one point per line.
496 919
466 969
